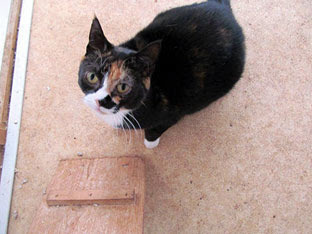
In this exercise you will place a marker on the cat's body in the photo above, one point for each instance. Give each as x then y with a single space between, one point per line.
188 57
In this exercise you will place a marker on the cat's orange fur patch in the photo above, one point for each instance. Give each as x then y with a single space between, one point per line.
147 82
115 72
114 76
117 99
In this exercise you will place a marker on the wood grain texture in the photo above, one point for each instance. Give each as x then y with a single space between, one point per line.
7 67
118 183
89 197
3 130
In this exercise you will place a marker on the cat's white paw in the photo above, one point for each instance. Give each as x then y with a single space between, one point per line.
151 144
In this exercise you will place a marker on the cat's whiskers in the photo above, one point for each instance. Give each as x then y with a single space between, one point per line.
132 116
139 125
115 124
127 119
123 129
123 116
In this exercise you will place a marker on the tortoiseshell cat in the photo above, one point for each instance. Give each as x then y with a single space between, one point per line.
184 60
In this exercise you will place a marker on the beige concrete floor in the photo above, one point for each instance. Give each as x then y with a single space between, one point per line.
242 165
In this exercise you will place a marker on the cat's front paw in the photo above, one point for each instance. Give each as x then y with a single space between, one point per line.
151 144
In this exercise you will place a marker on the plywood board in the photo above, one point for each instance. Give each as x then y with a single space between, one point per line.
116 203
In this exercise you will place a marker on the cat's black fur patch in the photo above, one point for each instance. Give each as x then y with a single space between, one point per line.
202 56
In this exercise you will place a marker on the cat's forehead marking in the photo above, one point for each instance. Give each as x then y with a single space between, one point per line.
116 73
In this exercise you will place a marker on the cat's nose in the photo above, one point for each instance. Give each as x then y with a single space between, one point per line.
107 102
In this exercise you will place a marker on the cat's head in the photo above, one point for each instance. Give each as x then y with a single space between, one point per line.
114 79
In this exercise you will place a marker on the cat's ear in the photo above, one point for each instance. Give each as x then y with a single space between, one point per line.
97 40
150 52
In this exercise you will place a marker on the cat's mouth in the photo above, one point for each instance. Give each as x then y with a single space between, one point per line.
103 111
95 105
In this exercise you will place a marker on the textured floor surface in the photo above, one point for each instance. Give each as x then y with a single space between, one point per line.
242 165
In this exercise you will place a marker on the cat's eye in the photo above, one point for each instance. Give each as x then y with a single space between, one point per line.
123 88
92 78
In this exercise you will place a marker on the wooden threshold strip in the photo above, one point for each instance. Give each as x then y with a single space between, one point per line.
90 197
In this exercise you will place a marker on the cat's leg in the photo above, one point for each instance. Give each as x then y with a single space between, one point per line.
152 136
